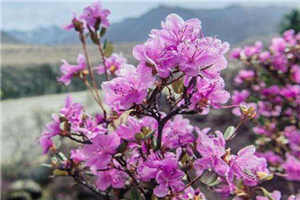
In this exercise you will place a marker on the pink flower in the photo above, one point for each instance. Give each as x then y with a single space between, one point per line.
252 50
236 53
271 157
69 71
246 166
130 88
239 97
264 56
111 177
201 53
280 62
276 195
266 109
94 14
278 45
210 92
292 168
168 177
178 133
244 75
100 152
293 135
295 73
211 148
52 129
114 64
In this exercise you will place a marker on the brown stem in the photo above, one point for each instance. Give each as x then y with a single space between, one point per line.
103 59
91 73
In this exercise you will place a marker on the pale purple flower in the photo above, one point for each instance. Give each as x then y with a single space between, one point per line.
168 177
94 14
264 56
280 62
244 75
252 50
239 96
211 148
178 133
266 109
130 88
293 135
271 157
52 129
112 177
276 195
235 53
113 64
210 92
292 168
69 71
295 73
246 166
99 153
278 45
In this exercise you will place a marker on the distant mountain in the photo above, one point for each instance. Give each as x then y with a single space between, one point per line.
6 38
233 24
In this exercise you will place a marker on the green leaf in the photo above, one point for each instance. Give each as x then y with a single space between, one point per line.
102 32
134 194
209 178
229 132
108 48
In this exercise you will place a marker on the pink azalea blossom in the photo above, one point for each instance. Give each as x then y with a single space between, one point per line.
246 166
295 73
101 150
131 88
264 56
292 168
178 133
95 13
244 75
271 157
112 177
276 195
211 148
69 71
114 63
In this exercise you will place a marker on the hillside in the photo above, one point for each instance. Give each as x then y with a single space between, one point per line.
233 24
8 39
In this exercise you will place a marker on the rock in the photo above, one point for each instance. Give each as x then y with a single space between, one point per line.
26 186
19 195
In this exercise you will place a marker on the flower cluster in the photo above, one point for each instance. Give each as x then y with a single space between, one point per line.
272 81
140 143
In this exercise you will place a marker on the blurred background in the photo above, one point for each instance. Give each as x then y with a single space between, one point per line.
33 44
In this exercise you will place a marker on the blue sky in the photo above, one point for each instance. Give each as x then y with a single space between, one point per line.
29 14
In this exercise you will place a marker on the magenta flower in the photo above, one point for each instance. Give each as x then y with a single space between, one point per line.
252 50
52 129
94 14
244 75
266 109
247 166
264 56
292 168
130 88
100 152
295 73
128 130
293 136
69 71
278 45
276 195
112 177
178 133
271 157
239 97
211 148
168 177
114 63
210 92
235 53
